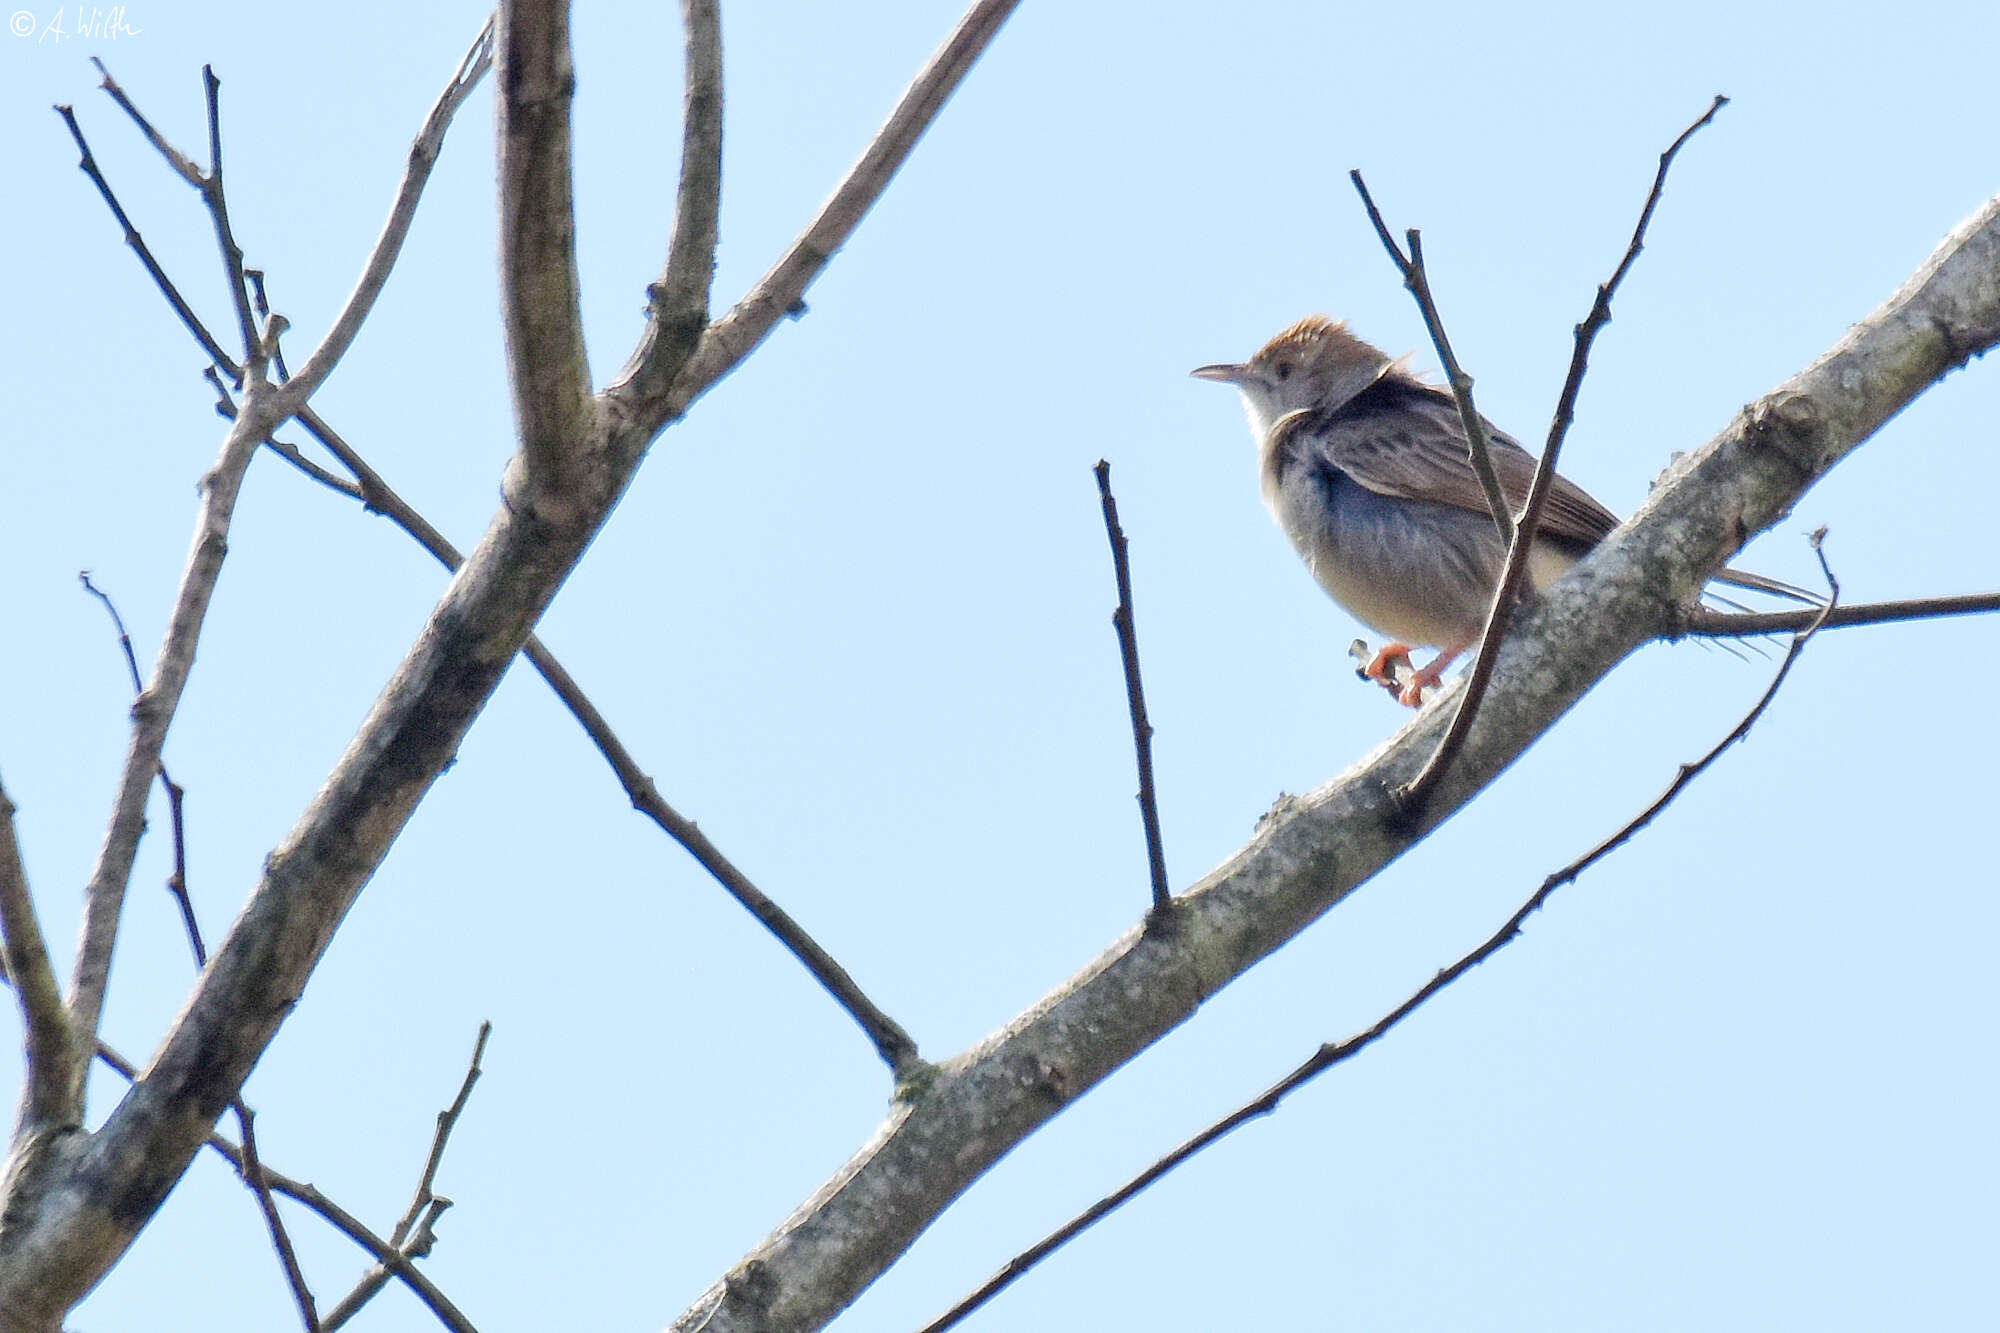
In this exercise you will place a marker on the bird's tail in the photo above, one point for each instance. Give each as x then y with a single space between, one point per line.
1737 578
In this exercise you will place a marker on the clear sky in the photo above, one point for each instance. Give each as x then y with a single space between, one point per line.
854 617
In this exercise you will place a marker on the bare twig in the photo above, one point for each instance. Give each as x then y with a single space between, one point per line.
472 67
47 1100
87 164
1414 796
896 1047
1135 693
447 1121
1333 1053
251 1168
218 209
413 1235
1417 279
183 166
177 883
678 309
731 337
290 453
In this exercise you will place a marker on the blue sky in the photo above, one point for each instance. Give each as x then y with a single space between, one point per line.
854 618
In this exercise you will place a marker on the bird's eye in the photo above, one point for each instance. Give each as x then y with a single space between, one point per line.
1284 369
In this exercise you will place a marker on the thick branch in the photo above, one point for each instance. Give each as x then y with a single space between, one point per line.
540 303
1312 851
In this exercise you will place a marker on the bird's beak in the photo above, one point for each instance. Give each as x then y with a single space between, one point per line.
1222 374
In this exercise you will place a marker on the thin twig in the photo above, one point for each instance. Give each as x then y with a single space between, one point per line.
340 335
1413 796
1135 693
1417 279
896 1047
87 164
251 1169
1333 1053
218 210
182 165
46 1099
413 1234
447 1121
177 883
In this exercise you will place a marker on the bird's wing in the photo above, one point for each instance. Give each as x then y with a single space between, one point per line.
1405 439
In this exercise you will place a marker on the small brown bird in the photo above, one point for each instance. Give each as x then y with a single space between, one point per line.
1365 467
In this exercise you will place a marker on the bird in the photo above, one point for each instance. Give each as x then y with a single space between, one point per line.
1365 467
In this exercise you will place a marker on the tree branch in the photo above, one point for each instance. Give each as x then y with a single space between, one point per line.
47 1093
1339 1052
1310 852
540 303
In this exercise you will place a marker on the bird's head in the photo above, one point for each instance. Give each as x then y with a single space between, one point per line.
1314 364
